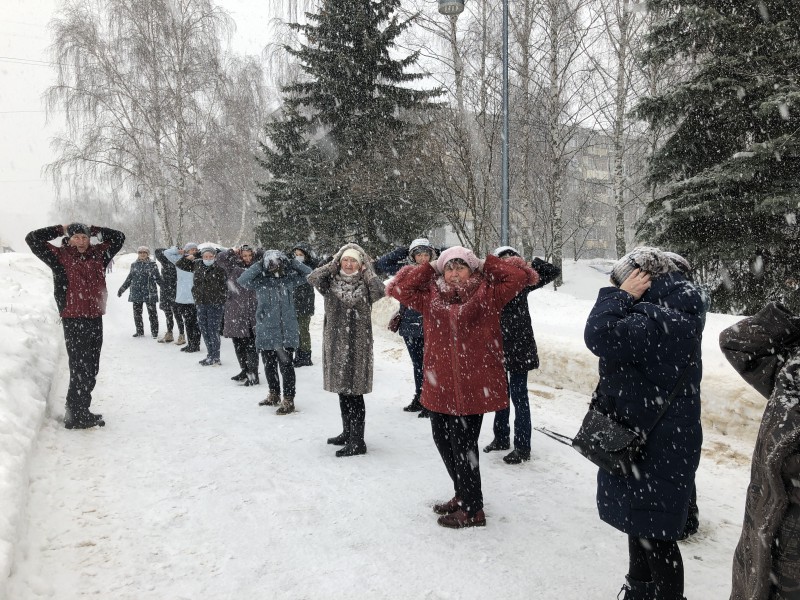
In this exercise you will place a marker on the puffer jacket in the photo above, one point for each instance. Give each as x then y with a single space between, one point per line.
143 281
644 347
463 364
209 283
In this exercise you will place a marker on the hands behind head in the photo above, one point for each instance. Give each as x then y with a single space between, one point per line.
637 283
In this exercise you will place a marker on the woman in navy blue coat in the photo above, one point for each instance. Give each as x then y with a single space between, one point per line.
143 281
646 331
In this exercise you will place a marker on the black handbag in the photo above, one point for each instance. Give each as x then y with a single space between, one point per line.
608 443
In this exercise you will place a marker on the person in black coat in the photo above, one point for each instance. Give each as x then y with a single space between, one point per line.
210 290
169 286
520 356
647 330
420 251
304 305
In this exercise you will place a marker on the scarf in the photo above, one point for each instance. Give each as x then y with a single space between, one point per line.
350 289
461 292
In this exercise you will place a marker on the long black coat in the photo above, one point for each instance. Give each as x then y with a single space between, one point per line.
644 346
169 277
519 345
304 293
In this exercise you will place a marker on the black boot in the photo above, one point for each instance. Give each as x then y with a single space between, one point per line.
496 444
303 359
252 379
415 405
341 439
82 419
355 445
241 376
636 590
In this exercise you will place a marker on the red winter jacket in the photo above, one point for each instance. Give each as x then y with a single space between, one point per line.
463 364
79 280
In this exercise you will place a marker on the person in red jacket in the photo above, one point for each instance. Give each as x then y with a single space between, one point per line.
461 298
79 285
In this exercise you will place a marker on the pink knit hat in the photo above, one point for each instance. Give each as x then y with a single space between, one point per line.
457 252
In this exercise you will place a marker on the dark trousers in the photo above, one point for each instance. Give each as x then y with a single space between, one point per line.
84 340
303 325
209 317
246 354
188 313
518 392
456 439
416 350
282 359
172 315
152 315
659 562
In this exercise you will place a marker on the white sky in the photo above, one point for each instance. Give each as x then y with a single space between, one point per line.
25 194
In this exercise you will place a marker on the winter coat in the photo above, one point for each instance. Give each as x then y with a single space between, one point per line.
79 279
304 293
240 307
644 347
765 350
169 277
347 329
143 280
463 362
410 319
209 286
185 279
519 346
276 319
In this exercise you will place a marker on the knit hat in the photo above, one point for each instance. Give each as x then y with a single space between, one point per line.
459 252
354 254
420 245
189 246
650 260
680 262
143 249
76 228
210 249
506 251
273 260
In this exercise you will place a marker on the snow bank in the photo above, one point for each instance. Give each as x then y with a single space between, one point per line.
30 330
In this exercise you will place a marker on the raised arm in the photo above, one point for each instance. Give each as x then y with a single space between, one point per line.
111 241
249 279
172 254
507 278
547 272
39 243
412 286
320 277
186 264
391 263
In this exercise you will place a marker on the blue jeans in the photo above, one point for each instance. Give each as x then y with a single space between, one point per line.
518 390
209 317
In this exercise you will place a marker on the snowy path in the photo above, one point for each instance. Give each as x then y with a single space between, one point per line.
193 491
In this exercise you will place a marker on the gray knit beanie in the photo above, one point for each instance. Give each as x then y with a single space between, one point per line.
650 260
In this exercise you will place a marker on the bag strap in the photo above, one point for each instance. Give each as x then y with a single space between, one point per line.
563 439
678 385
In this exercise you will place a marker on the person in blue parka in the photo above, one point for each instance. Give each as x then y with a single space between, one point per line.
143 281
647 329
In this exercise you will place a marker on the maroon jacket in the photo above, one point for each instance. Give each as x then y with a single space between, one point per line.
79 280
463 363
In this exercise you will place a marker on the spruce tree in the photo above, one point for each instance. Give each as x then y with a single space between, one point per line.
343 158
729 172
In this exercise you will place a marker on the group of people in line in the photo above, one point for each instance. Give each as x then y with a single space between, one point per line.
466 324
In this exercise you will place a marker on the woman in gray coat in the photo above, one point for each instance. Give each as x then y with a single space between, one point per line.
350 288
277 336
143 281
765 350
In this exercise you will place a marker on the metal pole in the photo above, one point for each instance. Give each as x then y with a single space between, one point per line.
504 135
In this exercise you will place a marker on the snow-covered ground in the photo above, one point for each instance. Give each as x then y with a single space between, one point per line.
194 491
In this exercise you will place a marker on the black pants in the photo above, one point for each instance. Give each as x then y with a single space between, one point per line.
172 316
246 354
152 315
659 561
282 359
456 439
416 350
84 340
188 312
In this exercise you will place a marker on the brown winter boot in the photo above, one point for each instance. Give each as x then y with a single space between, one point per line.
273 399
180 341
286 407
167 339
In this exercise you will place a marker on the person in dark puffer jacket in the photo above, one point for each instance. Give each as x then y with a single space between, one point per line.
419 252
143 281
169 288
209 291
304 305
79 287
520 356
647 330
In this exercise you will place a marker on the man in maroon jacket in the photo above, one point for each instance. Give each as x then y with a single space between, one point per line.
79 285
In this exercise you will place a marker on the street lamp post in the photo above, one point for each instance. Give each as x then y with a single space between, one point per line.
138 195
453 8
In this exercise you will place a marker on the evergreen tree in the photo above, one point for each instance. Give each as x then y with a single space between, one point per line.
344 155
730 170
